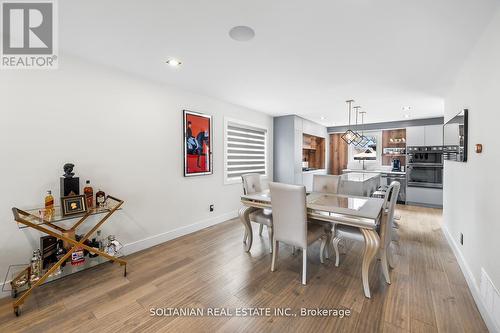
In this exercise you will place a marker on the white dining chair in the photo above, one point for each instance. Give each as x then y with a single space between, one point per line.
326 183
380 193
290 223
386 229
252 184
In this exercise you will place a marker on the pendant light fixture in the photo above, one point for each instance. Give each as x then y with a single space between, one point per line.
349 135
366 152
359 138
364 141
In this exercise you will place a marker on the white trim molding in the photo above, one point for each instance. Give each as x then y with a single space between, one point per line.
163 237
488 317
176 233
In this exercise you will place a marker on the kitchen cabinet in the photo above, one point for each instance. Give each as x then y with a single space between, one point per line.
288 144
415 136
431 135
434 135
284 143
421 196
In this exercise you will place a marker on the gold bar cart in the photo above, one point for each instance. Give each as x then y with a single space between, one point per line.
32 219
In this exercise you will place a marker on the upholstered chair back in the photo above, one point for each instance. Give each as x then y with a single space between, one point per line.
289 214
251 183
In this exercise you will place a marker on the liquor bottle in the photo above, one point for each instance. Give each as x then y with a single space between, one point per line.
85 251
100 198
99 240
36 267
49 204
89 194
60 252
94 244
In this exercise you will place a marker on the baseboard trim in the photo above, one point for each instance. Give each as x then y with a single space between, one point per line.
162 238
472 283
420 204
176 233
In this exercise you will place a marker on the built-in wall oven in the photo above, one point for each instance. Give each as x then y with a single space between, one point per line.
425 166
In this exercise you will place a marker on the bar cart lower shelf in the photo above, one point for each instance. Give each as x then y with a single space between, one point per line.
50 226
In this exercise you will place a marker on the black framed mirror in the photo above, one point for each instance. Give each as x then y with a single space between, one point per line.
455 137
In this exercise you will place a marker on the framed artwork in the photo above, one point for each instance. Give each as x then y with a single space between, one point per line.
72 205
197 144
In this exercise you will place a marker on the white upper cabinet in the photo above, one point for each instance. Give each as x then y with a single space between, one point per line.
434 135
431 135
308 127
415 136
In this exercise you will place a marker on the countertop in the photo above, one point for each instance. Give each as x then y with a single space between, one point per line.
314 171
375 171
359 176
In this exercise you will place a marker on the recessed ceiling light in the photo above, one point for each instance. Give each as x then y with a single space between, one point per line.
174 62
323 118
242 33
407 116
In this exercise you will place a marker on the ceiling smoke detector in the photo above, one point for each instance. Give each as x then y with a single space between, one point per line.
174 62
242 33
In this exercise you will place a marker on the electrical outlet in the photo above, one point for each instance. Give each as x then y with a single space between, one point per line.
462 238
211 208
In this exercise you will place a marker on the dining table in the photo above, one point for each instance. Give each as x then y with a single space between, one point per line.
356 211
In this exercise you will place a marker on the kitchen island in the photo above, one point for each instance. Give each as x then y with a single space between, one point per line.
359 183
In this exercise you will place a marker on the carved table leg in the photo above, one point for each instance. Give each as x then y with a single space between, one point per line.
372 244
244 213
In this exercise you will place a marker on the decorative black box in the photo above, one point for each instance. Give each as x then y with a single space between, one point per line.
48 247
70 186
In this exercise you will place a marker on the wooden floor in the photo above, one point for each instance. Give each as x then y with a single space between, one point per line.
210 269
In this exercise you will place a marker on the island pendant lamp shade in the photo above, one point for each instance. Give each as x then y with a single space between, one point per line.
349 136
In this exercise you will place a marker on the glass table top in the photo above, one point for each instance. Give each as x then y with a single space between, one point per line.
41 216
338 201
351 205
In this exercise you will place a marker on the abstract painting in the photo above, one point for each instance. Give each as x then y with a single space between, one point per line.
197 144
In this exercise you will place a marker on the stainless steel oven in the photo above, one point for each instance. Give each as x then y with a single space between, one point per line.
426 154
425 175
425 167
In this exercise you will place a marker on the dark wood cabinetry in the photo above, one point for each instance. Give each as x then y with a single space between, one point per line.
338 154
394 146
313 151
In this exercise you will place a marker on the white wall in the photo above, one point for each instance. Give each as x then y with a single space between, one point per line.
471 190
125 135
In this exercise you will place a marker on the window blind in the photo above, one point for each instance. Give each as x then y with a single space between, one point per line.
245 150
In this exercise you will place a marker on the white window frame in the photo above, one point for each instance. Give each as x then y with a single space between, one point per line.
237 122
378 161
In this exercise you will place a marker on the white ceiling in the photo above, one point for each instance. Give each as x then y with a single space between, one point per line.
307 57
